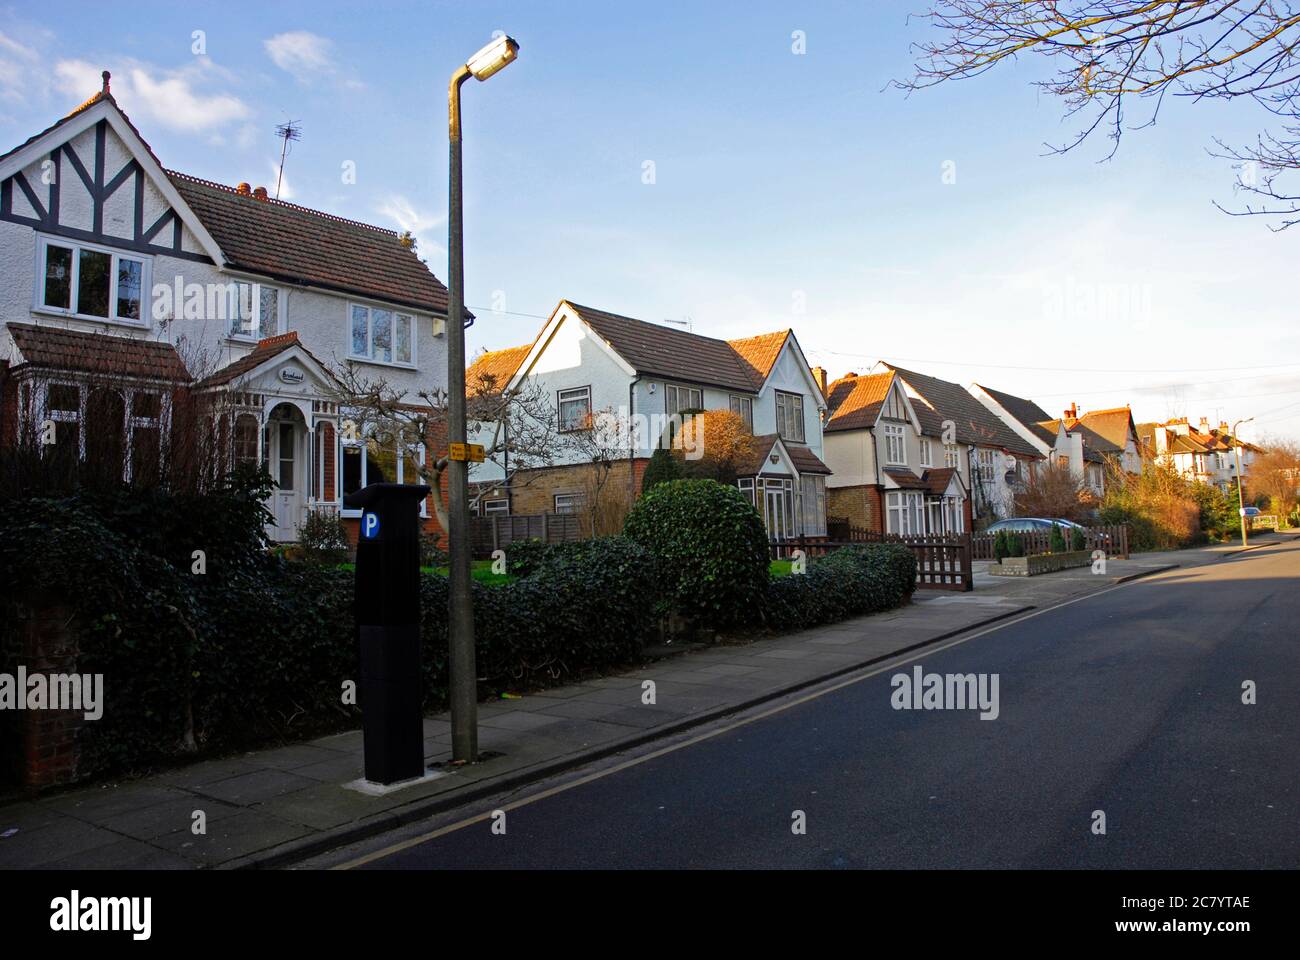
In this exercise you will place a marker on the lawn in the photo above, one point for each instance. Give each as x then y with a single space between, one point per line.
780 568
480 570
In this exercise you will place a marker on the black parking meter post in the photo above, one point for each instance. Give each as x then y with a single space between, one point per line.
387 610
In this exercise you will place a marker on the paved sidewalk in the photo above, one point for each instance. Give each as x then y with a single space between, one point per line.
270 807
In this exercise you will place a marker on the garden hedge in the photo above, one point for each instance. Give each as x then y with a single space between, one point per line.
849 582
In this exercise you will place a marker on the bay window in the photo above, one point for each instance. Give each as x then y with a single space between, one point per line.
814 506
365 460
92 282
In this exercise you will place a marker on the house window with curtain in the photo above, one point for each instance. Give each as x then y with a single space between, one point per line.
895 447
789 416
677 399
575 409
814 506
926 455
744 408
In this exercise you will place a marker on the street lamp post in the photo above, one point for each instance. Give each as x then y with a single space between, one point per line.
460 609
1241 497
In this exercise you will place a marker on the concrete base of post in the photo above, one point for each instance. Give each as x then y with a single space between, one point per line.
372 789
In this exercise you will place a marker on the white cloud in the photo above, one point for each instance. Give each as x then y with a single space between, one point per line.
170 98
400 210
304 55
19 78
286 191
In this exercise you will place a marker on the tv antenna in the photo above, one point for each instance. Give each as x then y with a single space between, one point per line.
687 323
286 132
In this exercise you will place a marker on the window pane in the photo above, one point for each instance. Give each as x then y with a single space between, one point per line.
58 277
381 463
402 339
383 335
64 397
241 311
360 335
130 273
351 469
92 283
246 440
268 324
287 451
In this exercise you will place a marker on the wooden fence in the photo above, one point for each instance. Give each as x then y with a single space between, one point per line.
1112 538
498 531
942 563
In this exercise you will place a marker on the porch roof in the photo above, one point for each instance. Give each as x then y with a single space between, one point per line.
58 348
265 350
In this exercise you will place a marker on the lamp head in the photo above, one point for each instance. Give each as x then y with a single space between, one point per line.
493 58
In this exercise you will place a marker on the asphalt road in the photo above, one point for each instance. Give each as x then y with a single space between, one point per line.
1127 702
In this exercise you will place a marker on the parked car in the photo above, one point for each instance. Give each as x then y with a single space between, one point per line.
1041 525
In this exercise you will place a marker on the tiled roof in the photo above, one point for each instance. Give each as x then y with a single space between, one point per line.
854 402
804 460
906 478
103 353
1025 411
1112 426
284 240
673 354
938 478
1094 445
496 366
974 422
759 353
264 351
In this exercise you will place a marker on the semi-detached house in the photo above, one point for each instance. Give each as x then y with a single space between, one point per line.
588 361
131 290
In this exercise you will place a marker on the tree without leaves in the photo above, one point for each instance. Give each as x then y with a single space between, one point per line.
1109 53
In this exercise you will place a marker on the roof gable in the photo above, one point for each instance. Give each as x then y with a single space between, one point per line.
974 423
855 402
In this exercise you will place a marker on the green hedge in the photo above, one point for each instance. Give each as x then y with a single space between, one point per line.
709 546
849 582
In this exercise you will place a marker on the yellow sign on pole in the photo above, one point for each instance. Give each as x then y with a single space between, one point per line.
466 452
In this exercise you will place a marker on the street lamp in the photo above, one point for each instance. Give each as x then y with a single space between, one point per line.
460 608
1241 499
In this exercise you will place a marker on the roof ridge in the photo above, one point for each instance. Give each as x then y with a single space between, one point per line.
203 181
649 323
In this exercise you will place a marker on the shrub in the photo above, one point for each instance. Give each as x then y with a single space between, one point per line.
849 582
431 554
1001 549
323 538
662 468
1056 541
1077 540
1015 545
524 556
709 546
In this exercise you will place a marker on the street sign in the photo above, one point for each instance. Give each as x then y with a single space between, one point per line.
466 452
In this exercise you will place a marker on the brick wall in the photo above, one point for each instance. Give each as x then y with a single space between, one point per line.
862 505
43 749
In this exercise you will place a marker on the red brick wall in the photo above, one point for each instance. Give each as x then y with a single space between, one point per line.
46 744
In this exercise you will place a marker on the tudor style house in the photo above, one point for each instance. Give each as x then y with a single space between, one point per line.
892 471
588 361
132 291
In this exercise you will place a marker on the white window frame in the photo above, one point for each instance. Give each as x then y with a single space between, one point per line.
951 456
895 445
576 394
74 285
491 508
926 454
129 421
814 505
369 356
675 391
361 441
239 335
785 416
744 408
746 487
572 500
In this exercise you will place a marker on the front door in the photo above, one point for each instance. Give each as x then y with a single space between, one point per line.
776 518
286 465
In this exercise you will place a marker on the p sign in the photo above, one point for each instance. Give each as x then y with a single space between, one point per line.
370 526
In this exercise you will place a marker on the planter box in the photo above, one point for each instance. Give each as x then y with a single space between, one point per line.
1041 563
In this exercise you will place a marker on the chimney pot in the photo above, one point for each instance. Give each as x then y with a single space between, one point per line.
260 193
244 189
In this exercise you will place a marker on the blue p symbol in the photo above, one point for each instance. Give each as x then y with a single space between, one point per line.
370 526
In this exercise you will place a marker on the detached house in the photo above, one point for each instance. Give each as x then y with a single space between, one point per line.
591 362
892 472
133 293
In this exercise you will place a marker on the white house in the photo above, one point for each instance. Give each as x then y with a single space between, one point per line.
131 289
1206 454
593 363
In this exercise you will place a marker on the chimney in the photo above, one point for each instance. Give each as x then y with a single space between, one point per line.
1205 425
1072 412
260 193
819 374
1223 426
243 190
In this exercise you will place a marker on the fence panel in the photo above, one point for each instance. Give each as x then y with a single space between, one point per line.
942 563
1113 538
496 532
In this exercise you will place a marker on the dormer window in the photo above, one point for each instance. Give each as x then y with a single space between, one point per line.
91 282
789 416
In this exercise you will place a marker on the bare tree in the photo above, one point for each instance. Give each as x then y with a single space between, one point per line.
1110 53
518 429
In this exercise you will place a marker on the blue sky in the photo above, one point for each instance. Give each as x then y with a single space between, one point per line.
788 189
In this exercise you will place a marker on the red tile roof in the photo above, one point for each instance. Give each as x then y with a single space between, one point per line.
804 460
759 353
854 402
266 349
495 367
103 353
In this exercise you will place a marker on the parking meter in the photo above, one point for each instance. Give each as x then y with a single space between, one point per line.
387 611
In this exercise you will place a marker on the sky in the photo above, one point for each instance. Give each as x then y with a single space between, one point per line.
735 167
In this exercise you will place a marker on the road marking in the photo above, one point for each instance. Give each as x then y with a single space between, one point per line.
709 735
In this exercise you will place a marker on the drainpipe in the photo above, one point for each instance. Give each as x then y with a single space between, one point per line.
631 447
